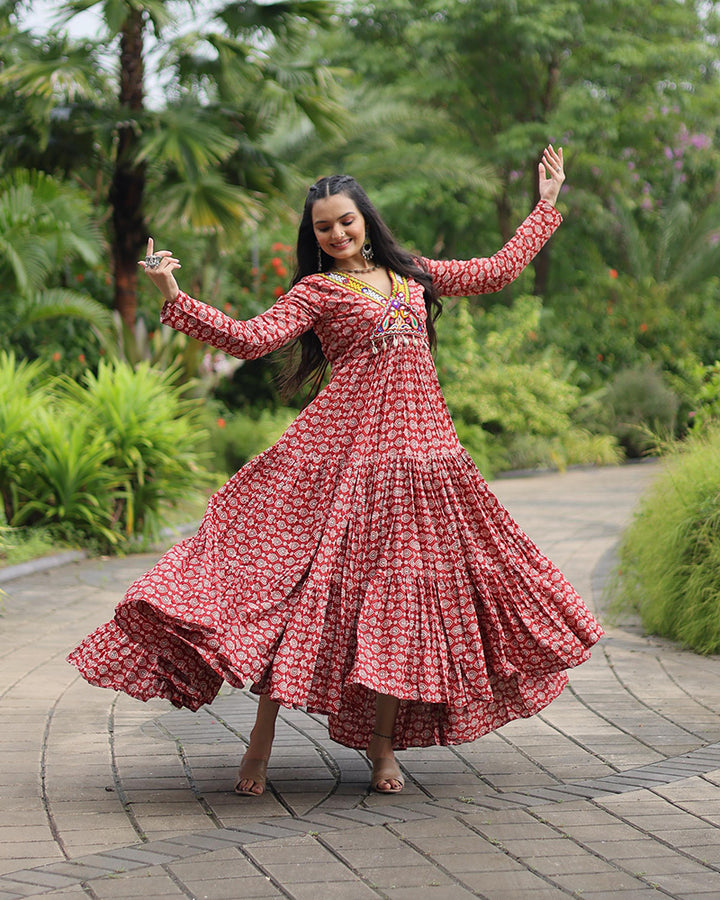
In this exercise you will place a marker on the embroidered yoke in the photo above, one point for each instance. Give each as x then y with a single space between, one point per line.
361 553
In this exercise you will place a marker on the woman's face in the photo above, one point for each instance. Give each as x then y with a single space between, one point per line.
340 229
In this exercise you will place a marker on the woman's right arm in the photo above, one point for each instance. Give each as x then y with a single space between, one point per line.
290 316
293 314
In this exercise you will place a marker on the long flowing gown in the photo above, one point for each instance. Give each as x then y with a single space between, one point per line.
361 553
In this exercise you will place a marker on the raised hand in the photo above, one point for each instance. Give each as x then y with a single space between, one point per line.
551 174
159 268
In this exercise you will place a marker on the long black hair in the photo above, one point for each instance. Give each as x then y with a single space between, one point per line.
386 253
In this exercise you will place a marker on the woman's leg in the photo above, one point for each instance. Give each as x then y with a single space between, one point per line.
253 769
386 778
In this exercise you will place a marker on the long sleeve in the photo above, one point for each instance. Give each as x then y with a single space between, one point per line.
454 277
288 318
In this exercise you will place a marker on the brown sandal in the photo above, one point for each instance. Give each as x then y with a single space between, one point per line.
255 771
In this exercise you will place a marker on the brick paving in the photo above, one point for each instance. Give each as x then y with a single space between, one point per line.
612 792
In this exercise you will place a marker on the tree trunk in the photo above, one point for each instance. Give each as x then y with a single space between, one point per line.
128 183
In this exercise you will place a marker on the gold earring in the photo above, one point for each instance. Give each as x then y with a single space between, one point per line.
367 250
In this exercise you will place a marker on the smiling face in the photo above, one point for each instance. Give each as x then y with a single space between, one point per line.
340 230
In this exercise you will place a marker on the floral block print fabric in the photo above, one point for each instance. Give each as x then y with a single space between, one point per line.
363 552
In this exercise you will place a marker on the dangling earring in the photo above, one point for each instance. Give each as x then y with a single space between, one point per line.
367 250
320 268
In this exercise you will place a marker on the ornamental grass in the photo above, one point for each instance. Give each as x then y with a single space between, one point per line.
670 555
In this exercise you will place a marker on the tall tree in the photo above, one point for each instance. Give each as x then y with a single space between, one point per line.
202 150
600 76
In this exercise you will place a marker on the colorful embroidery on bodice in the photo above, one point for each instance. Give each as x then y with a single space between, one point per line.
399 323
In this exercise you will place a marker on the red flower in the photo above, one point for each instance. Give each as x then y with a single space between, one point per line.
79 277
228 307
279 291
81 357
643 327
57 356
600 357
221 423
613 273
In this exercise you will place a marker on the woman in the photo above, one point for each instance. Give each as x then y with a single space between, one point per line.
360 567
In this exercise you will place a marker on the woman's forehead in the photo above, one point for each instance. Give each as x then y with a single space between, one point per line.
333 207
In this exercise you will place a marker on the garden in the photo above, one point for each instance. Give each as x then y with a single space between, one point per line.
204 126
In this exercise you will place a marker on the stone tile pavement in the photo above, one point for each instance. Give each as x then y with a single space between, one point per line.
612 792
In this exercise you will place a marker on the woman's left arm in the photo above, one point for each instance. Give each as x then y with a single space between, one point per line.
489 274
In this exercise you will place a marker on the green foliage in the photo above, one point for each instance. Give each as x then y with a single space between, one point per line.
46 226
495 378
97 462
641 410
670 555
236 437
701 385
152 433
21 399
66 482
18 545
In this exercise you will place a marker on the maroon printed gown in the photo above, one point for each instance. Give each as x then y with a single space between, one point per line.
362 552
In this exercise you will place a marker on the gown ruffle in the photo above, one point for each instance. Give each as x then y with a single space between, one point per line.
363 552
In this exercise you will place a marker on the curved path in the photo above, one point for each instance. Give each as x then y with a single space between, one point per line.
614 791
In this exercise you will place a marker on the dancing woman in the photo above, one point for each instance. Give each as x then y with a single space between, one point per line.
360 567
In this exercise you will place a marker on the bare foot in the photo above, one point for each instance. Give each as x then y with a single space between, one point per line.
386 776
252 777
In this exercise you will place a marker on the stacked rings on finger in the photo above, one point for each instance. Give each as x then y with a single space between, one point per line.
152 262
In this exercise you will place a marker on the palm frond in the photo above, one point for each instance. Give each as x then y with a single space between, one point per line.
188 138
209 203
273 18
60 303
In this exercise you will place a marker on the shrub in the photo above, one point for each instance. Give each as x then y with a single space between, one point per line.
66 483
237 437
21 397
670 555
154 434
495 379
641 409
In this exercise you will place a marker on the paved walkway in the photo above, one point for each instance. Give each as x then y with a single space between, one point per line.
614 791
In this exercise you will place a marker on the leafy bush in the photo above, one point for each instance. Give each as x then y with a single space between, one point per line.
237 437
96 462
641 408
21 398
496 379
153 434
67 483
670 555
575 447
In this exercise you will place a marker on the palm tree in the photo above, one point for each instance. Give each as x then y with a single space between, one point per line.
44 226
203 152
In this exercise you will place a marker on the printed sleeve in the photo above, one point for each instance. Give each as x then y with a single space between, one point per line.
290 316
455 277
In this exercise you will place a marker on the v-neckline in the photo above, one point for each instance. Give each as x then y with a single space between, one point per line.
363 288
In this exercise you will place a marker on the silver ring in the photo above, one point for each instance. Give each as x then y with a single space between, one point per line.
152 262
